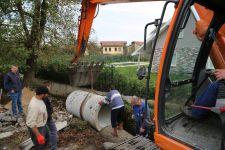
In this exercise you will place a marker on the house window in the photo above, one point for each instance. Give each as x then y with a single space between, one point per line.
181 35
106 49
174 60
119 49
110 49
115 48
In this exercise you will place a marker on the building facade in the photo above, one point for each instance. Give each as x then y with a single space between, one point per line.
186 49
113 47
133 46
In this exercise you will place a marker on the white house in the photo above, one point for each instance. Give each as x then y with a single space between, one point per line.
187 46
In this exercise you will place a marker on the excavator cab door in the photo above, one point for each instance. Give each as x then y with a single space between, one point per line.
184 60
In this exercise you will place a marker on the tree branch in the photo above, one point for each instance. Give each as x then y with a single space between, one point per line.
35 29
43 17
22 16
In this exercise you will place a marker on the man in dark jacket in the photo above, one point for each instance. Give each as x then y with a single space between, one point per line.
13 84
50 123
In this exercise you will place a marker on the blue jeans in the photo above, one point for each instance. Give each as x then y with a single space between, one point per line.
207 99
52 134
137 126
16 102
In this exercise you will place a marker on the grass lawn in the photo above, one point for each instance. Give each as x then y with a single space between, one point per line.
130 74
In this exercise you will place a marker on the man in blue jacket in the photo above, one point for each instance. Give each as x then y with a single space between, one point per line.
114 100
141 118
13 84
207 99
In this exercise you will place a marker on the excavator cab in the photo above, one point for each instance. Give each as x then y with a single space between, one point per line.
184 74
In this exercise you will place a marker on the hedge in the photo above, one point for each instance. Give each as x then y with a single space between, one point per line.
110 76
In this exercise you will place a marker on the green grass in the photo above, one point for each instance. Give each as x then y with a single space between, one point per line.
130 74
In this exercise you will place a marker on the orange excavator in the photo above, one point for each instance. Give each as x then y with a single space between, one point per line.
176 87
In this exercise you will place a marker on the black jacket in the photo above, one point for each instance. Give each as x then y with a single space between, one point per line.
48 107
12 81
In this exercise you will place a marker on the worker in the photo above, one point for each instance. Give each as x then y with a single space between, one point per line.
114 100
50 123
207 98
37 118
13 85
141 118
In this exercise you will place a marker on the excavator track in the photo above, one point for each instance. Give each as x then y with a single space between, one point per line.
136 143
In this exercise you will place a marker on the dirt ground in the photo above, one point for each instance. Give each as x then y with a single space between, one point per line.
78 135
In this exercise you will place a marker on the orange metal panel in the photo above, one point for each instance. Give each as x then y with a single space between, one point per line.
166 143
162 141
217 53
87 16
164 51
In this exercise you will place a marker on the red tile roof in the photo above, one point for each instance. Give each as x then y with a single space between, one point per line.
113 43
138 42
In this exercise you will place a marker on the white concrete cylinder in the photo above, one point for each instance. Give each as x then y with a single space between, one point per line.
85 106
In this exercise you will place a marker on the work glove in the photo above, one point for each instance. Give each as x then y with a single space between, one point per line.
40 139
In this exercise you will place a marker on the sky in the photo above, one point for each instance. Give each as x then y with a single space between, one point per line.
126 22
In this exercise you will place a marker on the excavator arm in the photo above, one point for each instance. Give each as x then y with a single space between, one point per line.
85 22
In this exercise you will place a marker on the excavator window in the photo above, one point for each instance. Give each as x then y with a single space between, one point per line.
181 68
188 65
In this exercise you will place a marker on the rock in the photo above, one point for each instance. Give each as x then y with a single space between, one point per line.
21 122
61 112
4 147
2 115
61 125
8 128
108 145
5 135
8 118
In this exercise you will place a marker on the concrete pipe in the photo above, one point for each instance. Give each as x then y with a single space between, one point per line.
85 106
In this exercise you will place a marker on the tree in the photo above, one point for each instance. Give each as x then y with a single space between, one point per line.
27 25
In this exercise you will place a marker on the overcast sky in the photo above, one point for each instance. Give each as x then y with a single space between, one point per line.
126 21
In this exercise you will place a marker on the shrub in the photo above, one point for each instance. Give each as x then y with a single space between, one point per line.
109 58
54 68
126 86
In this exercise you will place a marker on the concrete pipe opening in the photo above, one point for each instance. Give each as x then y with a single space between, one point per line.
104 116
85 106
